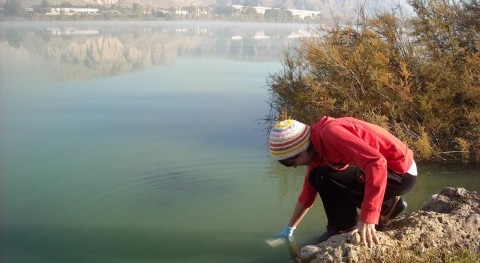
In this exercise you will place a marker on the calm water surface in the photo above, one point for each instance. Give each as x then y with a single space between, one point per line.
141 142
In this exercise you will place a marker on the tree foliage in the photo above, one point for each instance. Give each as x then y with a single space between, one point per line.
416 76
13 8
279 15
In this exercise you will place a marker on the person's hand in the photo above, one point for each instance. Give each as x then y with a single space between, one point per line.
286 233
367 233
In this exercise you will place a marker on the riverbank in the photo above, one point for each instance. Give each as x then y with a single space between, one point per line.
448 226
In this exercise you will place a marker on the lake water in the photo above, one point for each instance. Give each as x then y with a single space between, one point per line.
143 142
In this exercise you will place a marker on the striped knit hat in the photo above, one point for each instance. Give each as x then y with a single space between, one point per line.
288 138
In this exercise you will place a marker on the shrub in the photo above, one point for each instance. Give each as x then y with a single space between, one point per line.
417 77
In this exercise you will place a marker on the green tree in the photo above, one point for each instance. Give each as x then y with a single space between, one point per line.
172 13
225 11
279 15
251 3
44 6
137 9
14 8
66 4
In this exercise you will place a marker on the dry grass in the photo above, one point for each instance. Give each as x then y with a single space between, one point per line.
403 255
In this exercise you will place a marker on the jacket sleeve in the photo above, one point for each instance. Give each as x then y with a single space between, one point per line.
344 141
309 194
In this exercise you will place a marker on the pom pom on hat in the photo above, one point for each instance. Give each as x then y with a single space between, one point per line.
288 138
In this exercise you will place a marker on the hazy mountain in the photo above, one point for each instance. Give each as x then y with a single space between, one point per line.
338 7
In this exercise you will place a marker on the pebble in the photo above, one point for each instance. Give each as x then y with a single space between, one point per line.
354 239
472 221
308 251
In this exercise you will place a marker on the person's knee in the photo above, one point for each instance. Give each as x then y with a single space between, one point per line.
400 186
409 182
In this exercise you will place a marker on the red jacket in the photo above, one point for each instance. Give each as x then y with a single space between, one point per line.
372 148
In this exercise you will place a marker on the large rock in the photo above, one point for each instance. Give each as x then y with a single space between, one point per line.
450 220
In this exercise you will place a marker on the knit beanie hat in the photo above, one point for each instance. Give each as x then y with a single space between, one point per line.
288 138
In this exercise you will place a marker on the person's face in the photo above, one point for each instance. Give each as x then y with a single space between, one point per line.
303 158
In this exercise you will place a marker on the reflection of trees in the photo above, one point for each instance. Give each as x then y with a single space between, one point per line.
290 181
14 38
110 51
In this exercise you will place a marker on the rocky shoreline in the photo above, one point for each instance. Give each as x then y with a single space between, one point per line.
449 221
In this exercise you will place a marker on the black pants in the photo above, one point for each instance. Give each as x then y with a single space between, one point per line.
342 192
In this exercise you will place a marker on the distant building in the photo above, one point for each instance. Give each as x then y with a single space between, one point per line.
260 9
304 13
194 11
182 12
295 12
55 11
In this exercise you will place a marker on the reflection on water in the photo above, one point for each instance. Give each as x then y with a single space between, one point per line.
433 178
88 50
138 142
167 163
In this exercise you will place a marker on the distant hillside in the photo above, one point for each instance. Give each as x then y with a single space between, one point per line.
338 7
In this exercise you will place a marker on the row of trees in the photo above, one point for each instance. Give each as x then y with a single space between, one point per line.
419 77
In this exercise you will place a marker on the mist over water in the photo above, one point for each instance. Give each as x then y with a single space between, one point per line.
143 142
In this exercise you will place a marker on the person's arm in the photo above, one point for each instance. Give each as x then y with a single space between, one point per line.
305 201
298 213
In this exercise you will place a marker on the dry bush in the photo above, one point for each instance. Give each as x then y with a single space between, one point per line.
418 77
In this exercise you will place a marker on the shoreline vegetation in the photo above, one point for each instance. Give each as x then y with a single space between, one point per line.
417 76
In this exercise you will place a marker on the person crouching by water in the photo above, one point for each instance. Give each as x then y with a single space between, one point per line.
351 164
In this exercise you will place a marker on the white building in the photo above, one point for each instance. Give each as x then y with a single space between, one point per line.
295 12
55 11
304 13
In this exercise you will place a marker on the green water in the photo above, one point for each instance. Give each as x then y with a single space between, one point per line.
142 142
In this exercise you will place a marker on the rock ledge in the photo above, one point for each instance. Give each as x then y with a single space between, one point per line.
450 220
